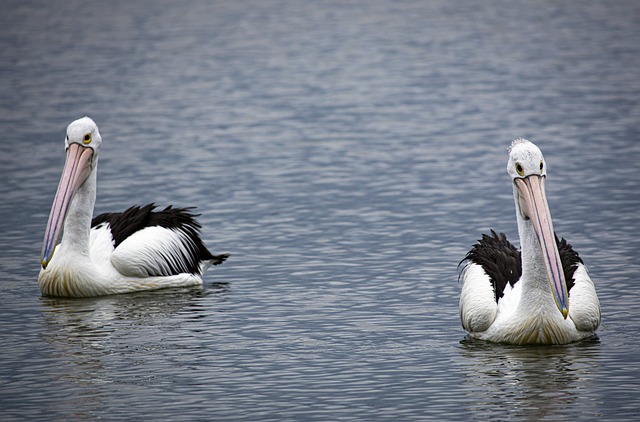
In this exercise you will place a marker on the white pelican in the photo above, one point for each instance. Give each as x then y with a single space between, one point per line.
539 295
138 249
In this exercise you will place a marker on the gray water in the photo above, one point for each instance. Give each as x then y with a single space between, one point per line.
347 155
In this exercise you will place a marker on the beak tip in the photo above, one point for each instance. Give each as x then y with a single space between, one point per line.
565 312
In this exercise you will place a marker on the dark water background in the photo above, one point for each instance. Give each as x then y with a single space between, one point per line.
347 155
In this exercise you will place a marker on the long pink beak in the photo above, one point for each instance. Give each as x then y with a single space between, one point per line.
77 168
533 203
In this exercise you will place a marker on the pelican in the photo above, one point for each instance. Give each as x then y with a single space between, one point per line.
138 249
541 294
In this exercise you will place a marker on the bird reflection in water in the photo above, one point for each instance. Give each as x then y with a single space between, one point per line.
100 341
530 382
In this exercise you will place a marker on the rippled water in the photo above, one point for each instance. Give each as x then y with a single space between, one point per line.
347 155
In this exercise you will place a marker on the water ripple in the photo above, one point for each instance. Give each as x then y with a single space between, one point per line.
347 156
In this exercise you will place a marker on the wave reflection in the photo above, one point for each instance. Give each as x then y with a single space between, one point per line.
531 383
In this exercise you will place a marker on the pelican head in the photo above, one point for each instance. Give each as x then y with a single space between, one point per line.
528 171
82 144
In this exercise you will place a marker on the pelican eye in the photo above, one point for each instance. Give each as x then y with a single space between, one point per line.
87 139
520 169
541 166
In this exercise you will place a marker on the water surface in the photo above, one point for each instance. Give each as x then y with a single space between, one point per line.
347 155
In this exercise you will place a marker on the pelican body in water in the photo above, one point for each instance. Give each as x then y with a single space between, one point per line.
138 249
540 294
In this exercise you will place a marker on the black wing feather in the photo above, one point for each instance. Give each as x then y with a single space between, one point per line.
124 224
499 259
569 259
503 263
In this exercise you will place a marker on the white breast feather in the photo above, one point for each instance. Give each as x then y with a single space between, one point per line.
101 245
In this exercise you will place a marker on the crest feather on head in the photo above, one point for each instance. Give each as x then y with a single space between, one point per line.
518 141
